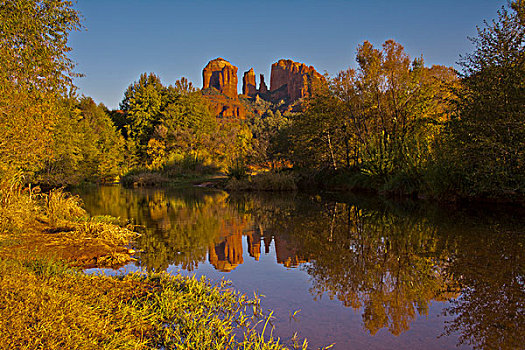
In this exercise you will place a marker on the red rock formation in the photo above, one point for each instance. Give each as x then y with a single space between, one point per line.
293 80
262 85
248 83
224 107
286 253
221 75
227 255
254 244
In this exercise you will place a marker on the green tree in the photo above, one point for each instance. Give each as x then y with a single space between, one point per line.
142 105
87 146
381 118
488 133
316 132
35 73
267 131
397 103
187 121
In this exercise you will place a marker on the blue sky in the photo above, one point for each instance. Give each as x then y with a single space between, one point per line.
124 38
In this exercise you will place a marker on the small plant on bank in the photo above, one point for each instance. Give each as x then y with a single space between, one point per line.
237 170
18 203
268 181
63 206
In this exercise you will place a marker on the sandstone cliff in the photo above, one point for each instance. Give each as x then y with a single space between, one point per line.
262 85
225 107
289 81
221 75
248 83
219 79
292 80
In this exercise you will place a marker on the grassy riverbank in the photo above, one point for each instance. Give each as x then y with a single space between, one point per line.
430 185
48 303
52 306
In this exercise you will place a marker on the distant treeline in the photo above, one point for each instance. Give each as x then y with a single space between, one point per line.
392 124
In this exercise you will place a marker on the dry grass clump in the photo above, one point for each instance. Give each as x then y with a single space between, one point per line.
56 224
268 181
18 204
21 206
62 206
46 305
95 229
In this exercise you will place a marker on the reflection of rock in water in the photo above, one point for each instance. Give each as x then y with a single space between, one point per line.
254 244
226 255
286 253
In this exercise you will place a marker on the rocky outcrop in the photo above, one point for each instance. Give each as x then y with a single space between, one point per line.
227 255
220 89
262 85
248 83
225 107
289 82
292 80
221 75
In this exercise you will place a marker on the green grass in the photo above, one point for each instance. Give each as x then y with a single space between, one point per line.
44 304
47 304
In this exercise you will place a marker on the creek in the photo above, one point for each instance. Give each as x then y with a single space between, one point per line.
360 272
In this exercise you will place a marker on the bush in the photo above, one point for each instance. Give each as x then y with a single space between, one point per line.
238 170
263 182
144 178
188 165
18 204
403 183
60 205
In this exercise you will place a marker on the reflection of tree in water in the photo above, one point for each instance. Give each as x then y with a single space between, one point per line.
385 264
388 260
490 267
178 226
393 262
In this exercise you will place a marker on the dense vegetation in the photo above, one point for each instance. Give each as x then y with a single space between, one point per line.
52 306
395 125
391 125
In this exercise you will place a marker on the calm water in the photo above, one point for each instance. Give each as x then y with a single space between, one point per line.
364 273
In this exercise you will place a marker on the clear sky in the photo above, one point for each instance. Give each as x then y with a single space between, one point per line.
124 38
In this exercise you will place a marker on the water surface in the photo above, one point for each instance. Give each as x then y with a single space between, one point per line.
365 273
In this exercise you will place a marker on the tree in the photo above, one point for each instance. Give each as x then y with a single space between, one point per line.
397 104
35 73
142 104
381 118
316 133
86 146
487 135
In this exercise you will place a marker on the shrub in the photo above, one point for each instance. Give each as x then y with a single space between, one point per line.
143 179
264 182
403 183
18 203
60 205
238 170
